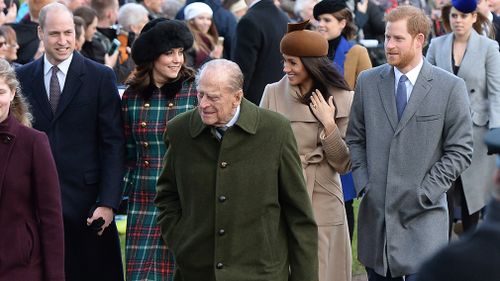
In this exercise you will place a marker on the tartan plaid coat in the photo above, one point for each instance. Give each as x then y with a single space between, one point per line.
145 118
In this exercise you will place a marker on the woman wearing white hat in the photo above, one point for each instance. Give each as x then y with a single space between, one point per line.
207 44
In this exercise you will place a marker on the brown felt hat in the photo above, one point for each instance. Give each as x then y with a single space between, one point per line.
303 43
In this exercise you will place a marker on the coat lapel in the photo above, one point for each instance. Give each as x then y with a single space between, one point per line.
72 84
470 54
445 53
39 93
418 94
387 95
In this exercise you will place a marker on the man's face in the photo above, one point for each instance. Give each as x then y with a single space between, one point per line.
401 49
58 36
216 104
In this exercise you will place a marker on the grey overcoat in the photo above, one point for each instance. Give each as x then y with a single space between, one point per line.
480 69
405 168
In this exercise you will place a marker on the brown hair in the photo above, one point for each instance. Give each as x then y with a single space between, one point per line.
478 25
19 107
416 20
199 43
87 14
324 76
350 30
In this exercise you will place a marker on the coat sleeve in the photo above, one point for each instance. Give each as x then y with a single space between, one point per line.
303 232
457 144
493 83
167 198
111 142
48 208
131 158
356 140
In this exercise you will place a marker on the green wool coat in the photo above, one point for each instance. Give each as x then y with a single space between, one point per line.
237 209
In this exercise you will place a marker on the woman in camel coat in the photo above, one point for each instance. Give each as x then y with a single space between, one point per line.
316 99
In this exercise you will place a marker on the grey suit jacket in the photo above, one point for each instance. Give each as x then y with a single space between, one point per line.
404 168
480 69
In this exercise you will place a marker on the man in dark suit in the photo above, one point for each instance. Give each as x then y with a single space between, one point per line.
257 46
75 101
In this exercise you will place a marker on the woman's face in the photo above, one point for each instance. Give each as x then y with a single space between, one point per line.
461 24
167 66
6 97
12 48
330 27
296 72
203 22
4 47
91 30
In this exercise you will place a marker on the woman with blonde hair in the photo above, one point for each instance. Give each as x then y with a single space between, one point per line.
314 96
207 44
30 200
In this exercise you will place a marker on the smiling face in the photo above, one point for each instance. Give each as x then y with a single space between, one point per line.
329 27
216 102
58 35
402 50
296 73
167 66
461 24
203 22
6 97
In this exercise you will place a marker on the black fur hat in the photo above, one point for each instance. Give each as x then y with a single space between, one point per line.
328 7
157 37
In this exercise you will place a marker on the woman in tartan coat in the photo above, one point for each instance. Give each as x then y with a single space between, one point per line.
160 87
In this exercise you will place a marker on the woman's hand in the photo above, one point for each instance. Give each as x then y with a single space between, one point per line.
217 51
324 111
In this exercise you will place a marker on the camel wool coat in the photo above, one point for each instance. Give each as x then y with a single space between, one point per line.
323 158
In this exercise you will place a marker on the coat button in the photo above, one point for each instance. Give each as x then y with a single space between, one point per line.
220 265
146 163
143 124
170 104
223 164
145 144
221 232
472 91
147 105
222 198
7 139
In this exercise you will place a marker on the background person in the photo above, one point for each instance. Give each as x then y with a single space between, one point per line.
160 87
476 59
30 201
317 100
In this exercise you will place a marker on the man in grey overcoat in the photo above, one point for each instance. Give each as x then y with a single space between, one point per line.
410 136
232 199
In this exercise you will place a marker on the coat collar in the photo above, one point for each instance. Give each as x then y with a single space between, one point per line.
386 92
296 111
8 132
71 86
248 120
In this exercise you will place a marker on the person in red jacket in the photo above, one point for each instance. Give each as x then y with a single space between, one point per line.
31 243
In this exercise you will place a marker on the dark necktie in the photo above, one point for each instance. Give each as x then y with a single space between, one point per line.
401 96
54 89
219 134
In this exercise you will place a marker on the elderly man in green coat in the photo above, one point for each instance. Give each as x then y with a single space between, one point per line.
232 200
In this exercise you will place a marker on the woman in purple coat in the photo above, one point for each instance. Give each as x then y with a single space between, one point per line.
31 239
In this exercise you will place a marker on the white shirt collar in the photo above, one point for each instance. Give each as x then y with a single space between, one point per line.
63 66
412 75
234 119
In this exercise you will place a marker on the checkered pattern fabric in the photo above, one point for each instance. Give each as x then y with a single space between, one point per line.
147 257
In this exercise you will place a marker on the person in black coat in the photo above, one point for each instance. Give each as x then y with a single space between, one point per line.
77 105
257 47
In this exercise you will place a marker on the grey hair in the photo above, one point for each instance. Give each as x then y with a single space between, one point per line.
169 8
131 14
42 17
228 73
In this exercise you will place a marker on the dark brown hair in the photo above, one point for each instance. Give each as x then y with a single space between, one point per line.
324 76
350 30
478 25
87 14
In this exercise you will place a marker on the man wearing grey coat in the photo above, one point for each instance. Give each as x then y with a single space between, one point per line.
410 138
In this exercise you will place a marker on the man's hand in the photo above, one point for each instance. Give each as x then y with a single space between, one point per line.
102 212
